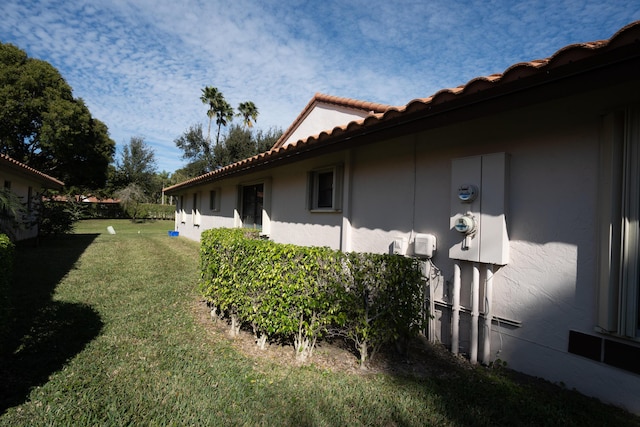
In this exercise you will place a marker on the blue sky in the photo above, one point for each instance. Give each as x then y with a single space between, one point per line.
140 64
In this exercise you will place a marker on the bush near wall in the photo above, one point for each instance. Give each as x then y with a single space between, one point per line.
6 268
303 294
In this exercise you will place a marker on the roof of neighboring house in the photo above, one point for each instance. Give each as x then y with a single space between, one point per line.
540 79
20 168
363 107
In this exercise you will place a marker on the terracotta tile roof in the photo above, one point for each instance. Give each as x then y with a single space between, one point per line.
45 179
569 61
368 107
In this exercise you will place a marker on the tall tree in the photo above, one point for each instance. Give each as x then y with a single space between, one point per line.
238 144
266 139
137 165
43 126
249 113
195 147
218 108
223 117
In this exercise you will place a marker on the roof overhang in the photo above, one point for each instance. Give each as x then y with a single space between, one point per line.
30 173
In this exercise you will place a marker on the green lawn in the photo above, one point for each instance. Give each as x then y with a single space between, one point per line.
104 332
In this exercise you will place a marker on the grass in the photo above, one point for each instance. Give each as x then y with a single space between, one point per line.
104 332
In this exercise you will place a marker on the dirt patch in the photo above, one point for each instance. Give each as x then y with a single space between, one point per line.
419 358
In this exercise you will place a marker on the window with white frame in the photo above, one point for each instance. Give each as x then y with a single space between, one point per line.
619 235
324 188
253 206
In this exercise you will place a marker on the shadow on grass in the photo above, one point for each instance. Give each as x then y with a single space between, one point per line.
497 396
456 393
42 334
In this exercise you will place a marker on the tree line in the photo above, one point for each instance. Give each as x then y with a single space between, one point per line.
43 126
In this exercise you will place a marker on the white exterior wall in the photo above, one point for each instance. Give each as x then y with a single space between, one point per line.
208 218
549 285
324 117
400 187
20 186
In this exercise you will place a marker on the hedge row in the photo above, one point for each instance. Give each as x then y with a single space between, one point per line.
6 268
155 211
302 294
86 210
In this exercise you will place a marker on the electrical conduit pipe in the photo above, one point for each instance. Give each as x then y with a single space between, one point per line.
455 315
488 315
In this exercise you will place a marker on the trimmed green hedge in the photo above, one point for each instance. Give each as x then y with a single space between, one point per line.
6 269
86 210
155 211
302 294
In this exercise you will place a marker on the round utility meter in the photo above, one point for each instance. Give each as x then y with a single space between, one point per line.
467 193
465 224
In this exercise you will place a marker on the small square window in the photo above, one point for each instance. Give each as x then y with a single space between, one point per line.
325 189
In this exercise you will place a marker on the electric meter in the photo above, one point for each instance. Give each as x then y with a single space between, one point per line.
467 193
465 224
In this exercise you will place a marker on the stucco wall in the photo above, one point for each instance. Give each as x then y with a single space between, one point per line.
20 186
400 187
324 117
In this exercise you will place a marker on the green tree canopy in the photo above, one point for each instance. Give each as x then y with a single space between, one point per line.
137 165
218 108
249 113
45 127
239 143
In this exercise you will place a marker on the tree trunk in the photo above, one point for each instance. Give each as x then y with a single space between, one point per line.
234 331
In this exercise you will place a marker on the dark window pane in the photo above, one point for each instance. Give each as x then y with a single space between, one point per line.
325 190
252 200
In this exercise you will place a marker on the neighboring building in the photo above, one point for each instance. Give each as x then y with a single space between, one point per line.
540 165
28 184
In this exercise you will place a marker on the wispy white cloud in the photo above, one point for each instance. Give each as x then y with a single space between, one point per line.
140 65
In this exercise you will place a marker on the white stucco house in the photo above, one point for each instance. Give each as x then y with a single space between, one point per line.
527 183
27 183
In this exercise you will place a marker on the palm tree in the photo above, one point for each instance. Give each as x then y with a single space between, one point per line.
218 108
224 114
249 112
211 96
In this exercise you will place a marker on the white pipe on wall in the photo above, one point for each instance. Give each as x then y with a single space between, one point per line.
432 305
475 312
455 314
488 315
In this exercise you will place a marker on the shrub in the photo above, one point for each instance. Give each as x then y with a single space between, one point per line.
58 217
300 294
13 214
385 301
